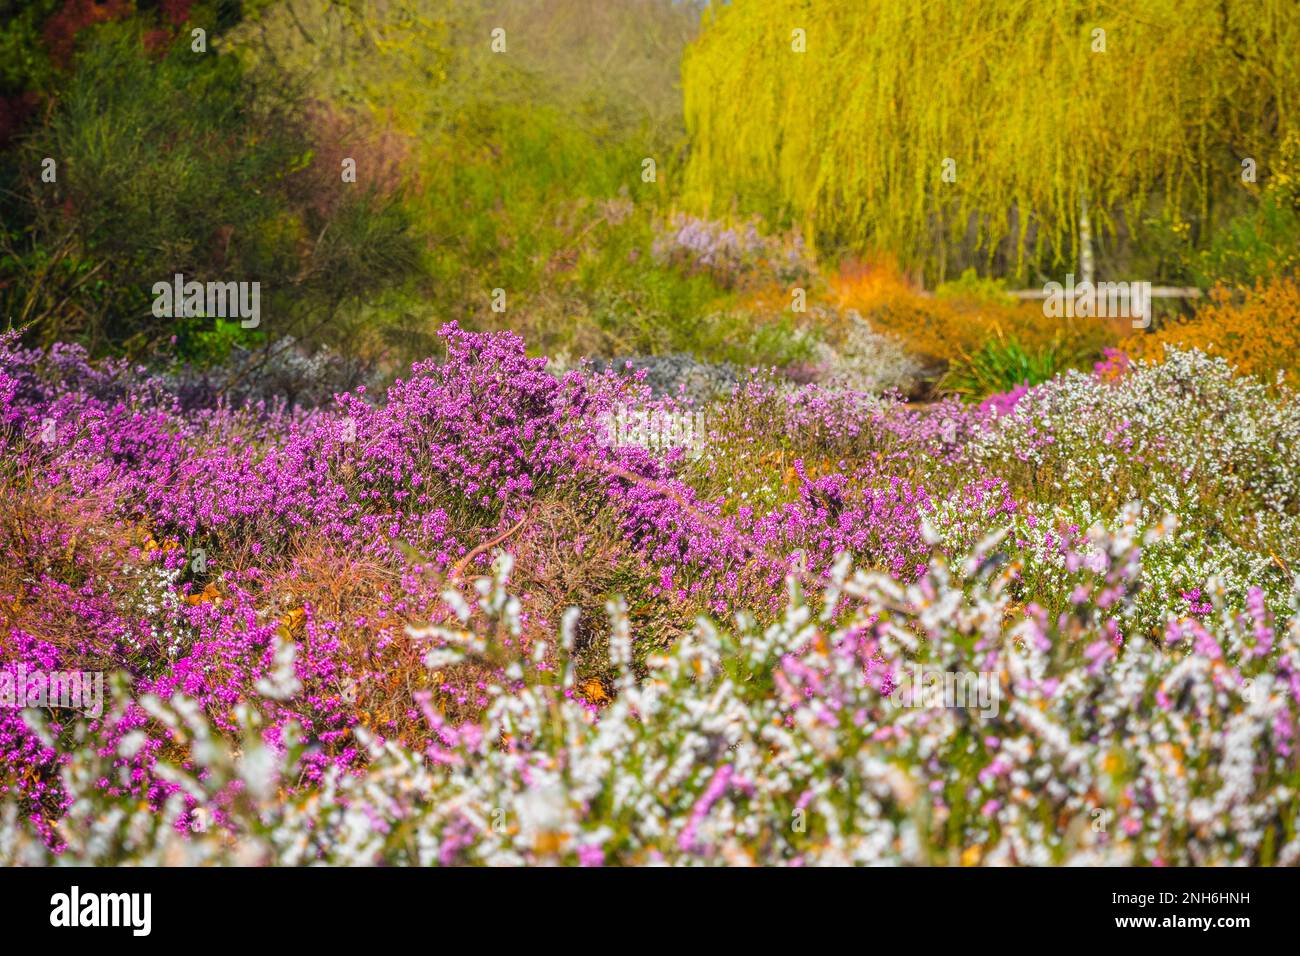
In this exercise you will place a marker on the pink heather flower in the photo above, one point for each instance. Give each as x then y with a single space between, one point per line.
1260 617
1003 402
712 793
1195 605
1113 367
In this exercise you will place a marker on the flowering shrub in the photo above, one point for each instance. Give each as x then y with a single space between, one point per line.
675 376
1184 438
731 254
865 360
284 373
277 597
1259 335
783 744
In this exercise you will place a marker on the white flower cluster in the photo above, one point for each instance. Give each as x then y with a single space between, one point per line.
1183 435
866 360
775 745
1185 438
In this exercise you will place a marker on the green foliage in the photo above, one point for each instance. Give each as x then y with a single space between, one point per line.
1001 365
1265 240
161 155
157 159
524 167
24 62
850 137
971 287
39 280
208 342
170 163
477 170
1252 235
1261 243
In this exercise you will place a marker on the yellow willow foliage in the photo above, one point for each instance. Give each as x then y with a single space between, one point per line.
851 136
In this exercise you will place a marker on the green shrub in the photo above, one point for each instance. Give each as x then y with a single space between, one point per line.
171 162
1000 365
971 287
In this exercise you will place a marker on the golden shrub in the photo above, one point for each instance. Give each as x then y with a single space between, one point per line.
947 328
1257 330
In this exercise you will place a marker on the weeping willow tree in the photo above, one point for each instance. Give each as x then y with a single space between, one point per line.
924 128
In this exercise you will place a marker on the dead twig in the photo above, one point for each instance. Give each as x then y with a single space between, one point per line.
459 569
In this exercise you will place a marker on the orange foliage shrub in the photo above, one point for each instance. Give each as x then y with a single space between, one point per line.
945 329
1258 333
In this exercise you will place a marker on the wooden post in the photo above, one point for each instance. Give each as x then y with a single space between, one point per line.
1085 241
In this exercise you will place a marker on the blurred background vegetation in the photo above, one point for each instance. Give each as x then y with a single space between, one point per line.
525 169
1144 113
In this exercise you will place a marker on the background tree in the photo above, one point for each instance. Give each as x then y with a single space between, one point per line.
170 160
1149 119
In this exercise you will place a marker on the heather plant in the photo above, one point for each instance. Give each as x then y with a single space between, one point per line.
731 253
282 371
574 504
863 359
1183 426
280 598
777 745
1183 437
678 375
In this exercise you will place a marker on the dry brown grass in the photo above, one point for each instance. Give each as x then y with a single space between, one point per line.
54 536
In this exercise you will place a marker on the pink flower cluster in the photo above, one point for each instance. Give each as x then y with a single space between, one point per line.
455 454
